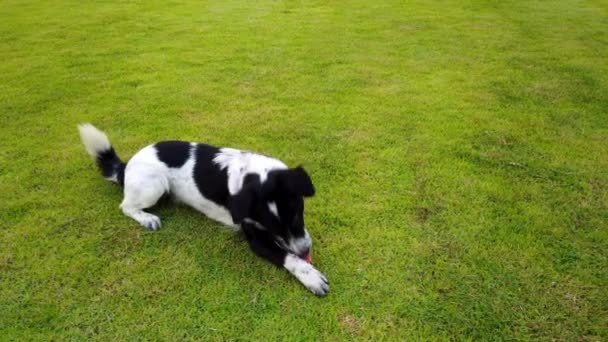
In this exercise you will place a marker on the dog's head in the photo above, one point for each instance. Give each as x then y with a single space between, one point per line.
277 206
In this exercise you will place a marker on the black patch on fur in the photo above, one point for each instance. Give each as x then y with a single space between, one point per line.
110 165
263 244
287 188
291 211
295 182
242 204
211 181
173 153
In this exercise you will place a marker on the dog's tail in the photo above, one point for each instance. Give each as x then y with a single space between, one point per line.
98 146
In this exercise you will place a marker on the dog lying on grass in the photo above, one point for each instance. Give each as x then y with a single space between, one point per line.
257 194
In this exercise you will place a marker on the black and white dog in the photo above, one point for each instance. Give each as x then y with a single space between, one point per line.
258 194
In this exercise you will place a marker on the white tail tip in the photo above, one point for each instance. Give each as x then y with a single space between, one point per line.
94 140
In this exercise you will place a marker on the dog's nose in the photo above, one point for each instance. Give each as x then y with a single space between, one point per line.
306 256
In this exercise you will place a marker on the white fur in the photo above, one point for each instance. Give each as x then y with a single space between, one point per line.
93 139
301 244
147 179
112 178
272 206
255 223
238 163
309 276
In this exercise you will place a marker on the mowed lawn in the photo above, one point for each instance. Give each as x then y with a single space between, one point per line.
459 150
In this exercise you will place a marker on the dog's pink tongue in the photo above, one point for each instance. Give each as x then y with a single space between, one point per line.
308 258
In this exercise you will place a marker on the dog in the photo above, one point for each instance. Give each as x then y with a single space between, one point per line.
253 193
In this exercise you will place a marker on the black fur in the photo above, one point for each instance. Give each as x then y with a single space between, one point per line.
291 210
293 181
241 204
110 165
210 180
286 189
263 244
173 153
297 182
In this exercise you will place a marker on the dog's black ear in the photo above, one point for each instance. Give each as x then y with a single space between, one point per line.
297 182
242 203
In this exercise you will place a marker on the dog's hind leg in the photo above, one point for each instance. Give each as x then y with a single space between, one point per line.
144 186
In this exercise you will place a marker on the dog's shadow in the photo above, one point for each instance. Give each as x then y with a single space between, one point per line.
184 219
216 248
210 239
218 251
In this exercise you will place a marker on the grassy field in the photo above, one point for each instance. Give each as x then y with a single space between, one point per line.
459 150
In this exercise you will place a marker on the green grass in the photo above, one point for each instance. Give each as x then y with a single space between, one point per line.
459 150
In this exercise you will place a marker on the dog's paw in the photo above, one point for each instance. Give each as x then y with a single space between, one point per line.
150 222
315 281
308 275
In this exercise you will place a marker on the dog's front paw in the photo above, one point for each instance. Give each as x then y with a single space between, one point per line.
150 222
309 276
315 281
